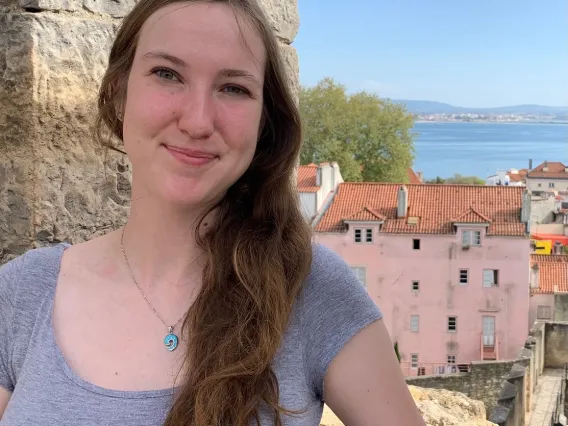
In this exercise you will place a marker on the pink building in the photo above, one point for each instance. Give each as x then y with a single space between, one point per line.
447 264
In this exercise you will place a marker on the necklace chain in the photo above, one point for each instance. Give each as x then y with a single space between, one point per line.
170 327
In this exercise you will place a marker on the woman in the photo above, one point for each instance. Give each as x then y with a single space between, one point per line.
210 306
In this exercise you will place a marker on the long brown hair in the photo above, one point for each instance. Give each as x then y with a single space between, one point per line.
258 250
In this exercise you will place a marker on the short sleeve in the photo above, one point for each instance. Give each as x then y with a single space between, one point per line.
335 308
9 276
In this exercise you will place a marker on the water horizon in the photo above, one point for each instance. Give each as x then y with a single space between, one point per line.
481 148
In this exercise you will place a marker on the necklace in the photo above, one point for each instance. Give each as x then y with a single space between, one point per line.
171 340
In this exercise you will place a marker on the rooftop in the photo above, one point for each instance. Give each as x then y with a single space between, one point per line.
307 178
556 170
552 271
412 176
432 209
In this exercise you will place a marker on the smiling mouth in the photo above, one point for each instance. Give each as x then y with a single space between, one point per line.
190 157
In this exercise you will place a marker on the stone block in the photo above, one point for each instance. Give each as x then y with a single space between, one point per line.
284 18
53 184
290 59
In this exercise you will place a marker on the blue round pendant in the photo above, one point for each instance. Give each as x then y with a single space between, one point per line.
171 342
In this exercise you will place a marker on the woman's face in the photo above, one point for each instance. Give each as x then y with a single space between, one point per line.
194 103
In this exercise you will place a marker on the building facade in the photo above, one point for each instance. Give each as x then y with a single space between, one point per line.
447 264
549 288
548 177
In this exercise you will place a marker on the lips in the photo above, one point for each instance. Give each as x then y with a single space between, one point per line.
191 157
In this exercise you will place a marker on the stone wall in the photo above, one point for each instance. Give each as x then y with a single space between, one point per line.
545 348
55 183
483 382
556 341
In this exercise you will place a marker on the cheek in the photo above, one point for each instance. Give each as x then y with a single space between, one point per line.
240 126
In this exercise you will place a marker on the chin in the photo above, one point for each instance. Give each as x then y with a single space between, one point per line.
189 196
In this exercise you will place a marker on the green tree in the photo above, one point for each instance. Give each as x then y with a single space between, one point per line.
370 138
457 179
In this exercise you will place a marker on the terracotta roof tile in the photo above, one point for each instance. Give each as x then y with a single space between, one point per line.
412 176
471 216
552 271
556 170
307 178
434 205
366 215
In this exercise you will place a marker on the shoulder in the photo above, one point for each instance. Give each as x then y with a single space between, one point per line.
30 273
331 276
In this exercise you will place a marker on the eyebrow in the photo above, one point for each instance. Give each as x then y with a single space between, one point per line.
225 72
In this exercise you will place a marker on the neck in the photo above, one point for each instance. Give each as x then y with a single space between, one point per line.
160 246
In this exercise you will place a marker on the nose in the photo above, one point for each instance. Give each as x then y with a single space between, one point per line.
197 117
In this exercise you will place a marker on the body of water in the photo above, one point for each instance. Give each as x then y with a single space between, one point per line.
480 149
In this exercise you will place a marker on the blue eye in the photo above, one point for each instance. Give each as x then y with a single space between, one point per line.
236 90
165 74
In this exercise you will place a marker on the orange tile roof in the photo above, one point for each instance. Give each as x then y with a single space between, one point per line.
435 206
556 170
412 176
366 215
552 271
471 216
307 178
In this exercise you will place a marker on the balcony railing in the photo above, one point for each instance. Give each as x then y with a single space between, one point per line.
489 347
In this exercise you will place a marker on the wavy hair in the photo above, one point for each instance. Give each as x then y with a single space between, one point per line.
258 251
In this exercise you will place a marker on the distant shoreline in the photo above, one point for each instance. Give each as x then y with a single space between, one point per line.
488 122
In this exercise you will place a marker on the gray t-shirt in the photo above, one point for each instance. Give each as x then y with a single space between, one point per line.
332 308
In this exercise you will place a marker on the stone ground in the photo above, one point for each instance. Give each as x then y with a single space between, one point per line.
545 397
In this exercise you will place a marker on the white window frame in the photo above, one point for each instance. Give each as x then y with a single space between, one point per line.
544 308
451 359
466 276
414 361
455 321
551 184
417 289
414 323
471 238
358 234
360 273
490 278
364 235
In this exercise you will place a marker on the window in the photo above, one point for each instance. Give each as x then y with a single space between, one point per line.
551 184
416 244
358 235
451 359
452 324
361 274
368 235
413 360
421 371
471 238
414 323
490 277
544 312
464 278
415 285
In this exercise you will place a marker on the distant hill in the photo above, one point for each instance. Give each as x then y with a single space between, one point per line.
430 107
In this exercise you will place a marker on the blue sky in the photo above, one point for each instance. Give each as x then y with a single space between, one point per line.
480 53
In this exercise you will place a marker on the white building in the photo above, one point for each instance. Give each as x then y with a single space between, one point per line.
550 176
511 177
317 184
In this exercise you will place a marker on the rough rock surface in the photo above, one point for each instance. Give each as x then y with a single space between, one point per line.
55 183
438 407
